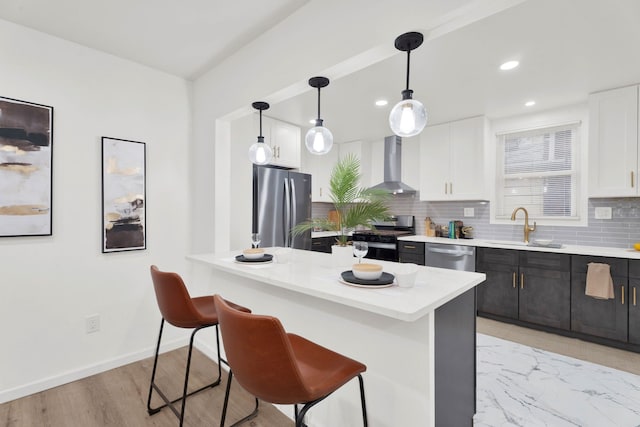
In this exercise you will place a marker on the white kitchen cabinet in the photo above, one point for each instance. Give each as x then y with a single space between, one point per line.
362 151
285 141
320 169
613 143
452 161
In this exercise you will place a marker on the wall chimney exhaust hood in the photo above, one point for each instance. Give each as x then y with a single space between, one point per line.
392 168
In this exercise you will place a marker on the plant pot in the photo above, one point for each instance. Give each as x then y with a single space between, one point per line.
342 256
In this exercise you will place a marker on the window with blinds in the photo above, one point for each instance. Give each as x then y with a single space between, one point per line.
537 170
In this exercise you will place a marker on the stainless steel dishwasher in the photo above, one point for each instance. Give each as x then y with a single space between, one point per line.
454 257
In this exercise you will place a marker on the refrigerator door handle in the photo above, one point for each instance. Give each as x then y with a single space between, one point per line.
294 211
287 213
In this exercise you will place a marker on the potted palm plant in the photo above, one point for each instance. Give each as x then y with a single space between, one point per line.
356 206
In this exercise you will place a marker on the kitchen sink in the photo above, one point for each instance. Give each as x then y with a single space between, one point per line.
534 244
507 243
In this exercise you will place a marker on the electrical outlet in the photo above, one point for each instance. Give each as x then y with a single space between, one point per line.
92 323
469 212
603 213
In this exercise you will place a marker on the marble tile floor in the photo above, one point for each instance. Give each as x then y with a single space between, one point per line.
518 385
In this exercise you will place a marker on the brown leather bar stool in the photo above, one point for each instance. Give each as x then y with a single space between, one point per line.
180 310
279 367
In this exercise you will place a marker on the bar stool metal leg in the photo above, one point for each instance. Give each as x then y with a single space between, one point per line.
226 402
170 403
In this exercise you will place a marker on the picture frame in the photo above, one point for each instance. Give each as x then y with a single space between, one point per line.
123 195
26 168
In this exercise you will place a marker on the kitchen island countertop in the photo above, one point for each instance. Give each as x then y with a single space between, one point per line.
313 273
405 336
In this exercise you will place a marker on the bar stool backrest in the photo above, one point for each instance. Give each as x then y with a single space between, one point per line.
260 355
174 301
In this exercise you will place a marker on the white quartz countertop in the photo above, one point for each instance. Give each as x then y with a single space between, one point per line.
565 249
316 234
313 273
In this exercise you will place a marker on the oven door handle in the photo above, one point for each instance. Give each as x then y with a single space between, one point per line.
378 245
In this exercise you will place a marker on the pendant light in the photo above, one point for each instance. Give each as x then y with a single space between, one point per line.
409 116
319 139
260 153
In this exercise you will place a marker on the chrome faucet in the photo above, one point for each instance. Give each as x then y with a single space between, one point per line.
527 229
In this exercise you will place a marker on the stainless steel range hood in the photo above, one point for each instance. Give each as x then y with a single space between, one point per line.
392 168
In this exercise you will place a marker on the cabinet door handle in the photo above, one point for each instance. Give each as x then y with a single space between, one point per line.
451 188
445 188
632 180
622 294
634 296
320 191
521 280
514 280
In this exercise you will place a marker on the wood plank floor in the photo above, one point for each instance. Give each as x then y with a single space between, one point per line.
119 397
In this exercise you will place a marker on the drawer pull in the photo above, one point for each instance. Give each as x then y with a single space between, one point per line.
521 280
514 280
622 294
409 247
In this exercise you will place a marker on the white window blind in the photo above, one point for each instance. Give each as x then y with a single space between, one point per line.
537 170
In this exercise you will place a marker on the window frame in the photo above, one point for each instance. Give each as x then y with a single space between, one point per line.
573 115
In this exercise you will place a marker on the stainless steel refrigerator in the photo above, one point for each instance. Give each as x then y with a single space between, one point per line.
281 199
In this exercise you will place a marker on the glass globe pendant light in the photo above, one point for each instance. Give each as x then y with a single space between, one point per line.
259 152
408 117
319 139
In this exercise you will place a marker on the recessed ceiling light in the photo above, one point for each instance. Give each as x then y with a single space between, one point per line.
381 102
530 103
509 65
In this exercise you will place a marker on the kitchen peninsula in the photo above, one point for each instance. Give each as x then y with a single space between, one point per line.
418 343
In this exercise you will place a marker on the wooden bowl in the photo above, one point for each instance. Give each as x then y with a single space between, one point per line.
253 253
367 271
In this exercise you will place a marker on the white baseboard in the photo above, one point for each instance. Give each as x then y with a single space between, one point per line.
86 371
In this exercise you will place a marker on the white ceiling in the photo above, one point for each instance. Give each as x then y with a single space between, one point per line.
183 38
567 49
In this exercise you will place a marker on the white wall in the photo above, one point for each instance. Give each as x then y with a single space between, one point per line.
49 284
331 38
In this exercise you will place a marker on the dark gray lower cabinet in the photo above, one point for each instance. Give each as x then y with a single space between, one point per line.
544 295
322 244
525 285
599 317
634 301
634 310
411 252
498 295
455 361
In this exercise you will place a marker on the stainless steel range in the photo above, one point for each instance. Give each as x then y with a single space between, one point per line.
383 241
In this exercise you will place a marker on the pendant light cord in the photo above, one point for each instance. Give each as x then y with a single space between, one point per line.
318 103
408 66
261 124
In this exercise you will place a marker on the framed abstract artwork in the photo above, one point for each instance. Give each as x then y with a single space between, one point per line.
26 155
123 195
